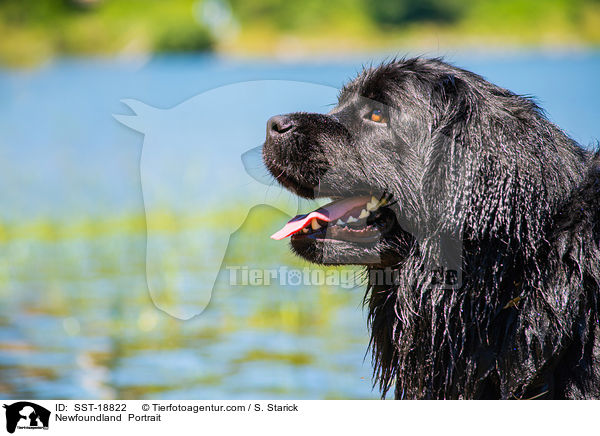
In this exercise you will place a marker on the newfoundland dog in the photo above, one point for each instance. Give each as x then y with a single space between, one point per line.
478 221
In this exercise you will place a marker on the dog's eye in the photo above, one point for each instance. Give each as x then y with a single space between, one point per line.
376 116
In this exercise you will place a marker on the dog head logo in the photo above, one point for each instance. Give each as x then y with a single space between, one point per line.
196 189
26 415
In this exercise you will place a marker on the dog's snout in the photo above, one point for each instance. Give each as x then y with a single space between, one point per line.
279 124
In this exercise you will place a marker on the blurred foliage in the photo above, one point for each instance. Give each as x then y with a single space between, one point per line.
33 30
339 26
399 12
302 15
37 29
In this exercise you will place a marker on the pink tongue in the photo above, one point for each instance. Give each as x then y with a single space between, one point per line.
296 224
329 212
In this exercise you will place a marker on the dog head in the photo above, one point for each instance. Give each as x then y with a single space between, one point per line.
415 152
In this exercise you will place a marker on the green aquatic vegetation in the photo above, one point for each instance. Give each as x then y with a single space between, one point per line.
82 282
289 358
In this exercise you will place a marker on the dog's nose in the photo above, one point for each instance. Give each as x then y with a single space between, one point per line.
279 124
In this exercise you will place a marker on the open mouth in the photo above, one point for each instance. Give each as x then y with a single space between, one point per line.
355 219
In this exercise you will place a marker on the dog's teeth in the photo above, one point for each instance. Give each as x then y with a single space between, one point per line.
340 222
315 225
372 205
351 220
363 214
304 230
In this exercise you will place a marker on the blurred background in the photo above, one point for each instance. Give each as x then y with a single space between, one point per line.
76 319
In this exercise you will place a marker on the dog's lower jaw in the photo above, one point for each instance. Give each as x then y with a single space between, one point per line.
386 252
333 252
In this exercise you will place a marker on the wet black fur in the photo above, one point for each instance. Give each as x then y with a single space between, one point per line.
468 160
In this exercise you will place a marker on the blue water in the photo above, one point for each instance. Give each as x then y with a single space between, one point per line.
76 319
57 123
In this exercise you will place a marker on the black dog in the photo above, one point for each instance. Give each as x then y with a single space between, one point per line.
487 214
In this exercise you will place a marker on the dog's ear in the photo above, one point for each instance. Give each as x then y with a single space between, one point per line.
452 96
448 85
